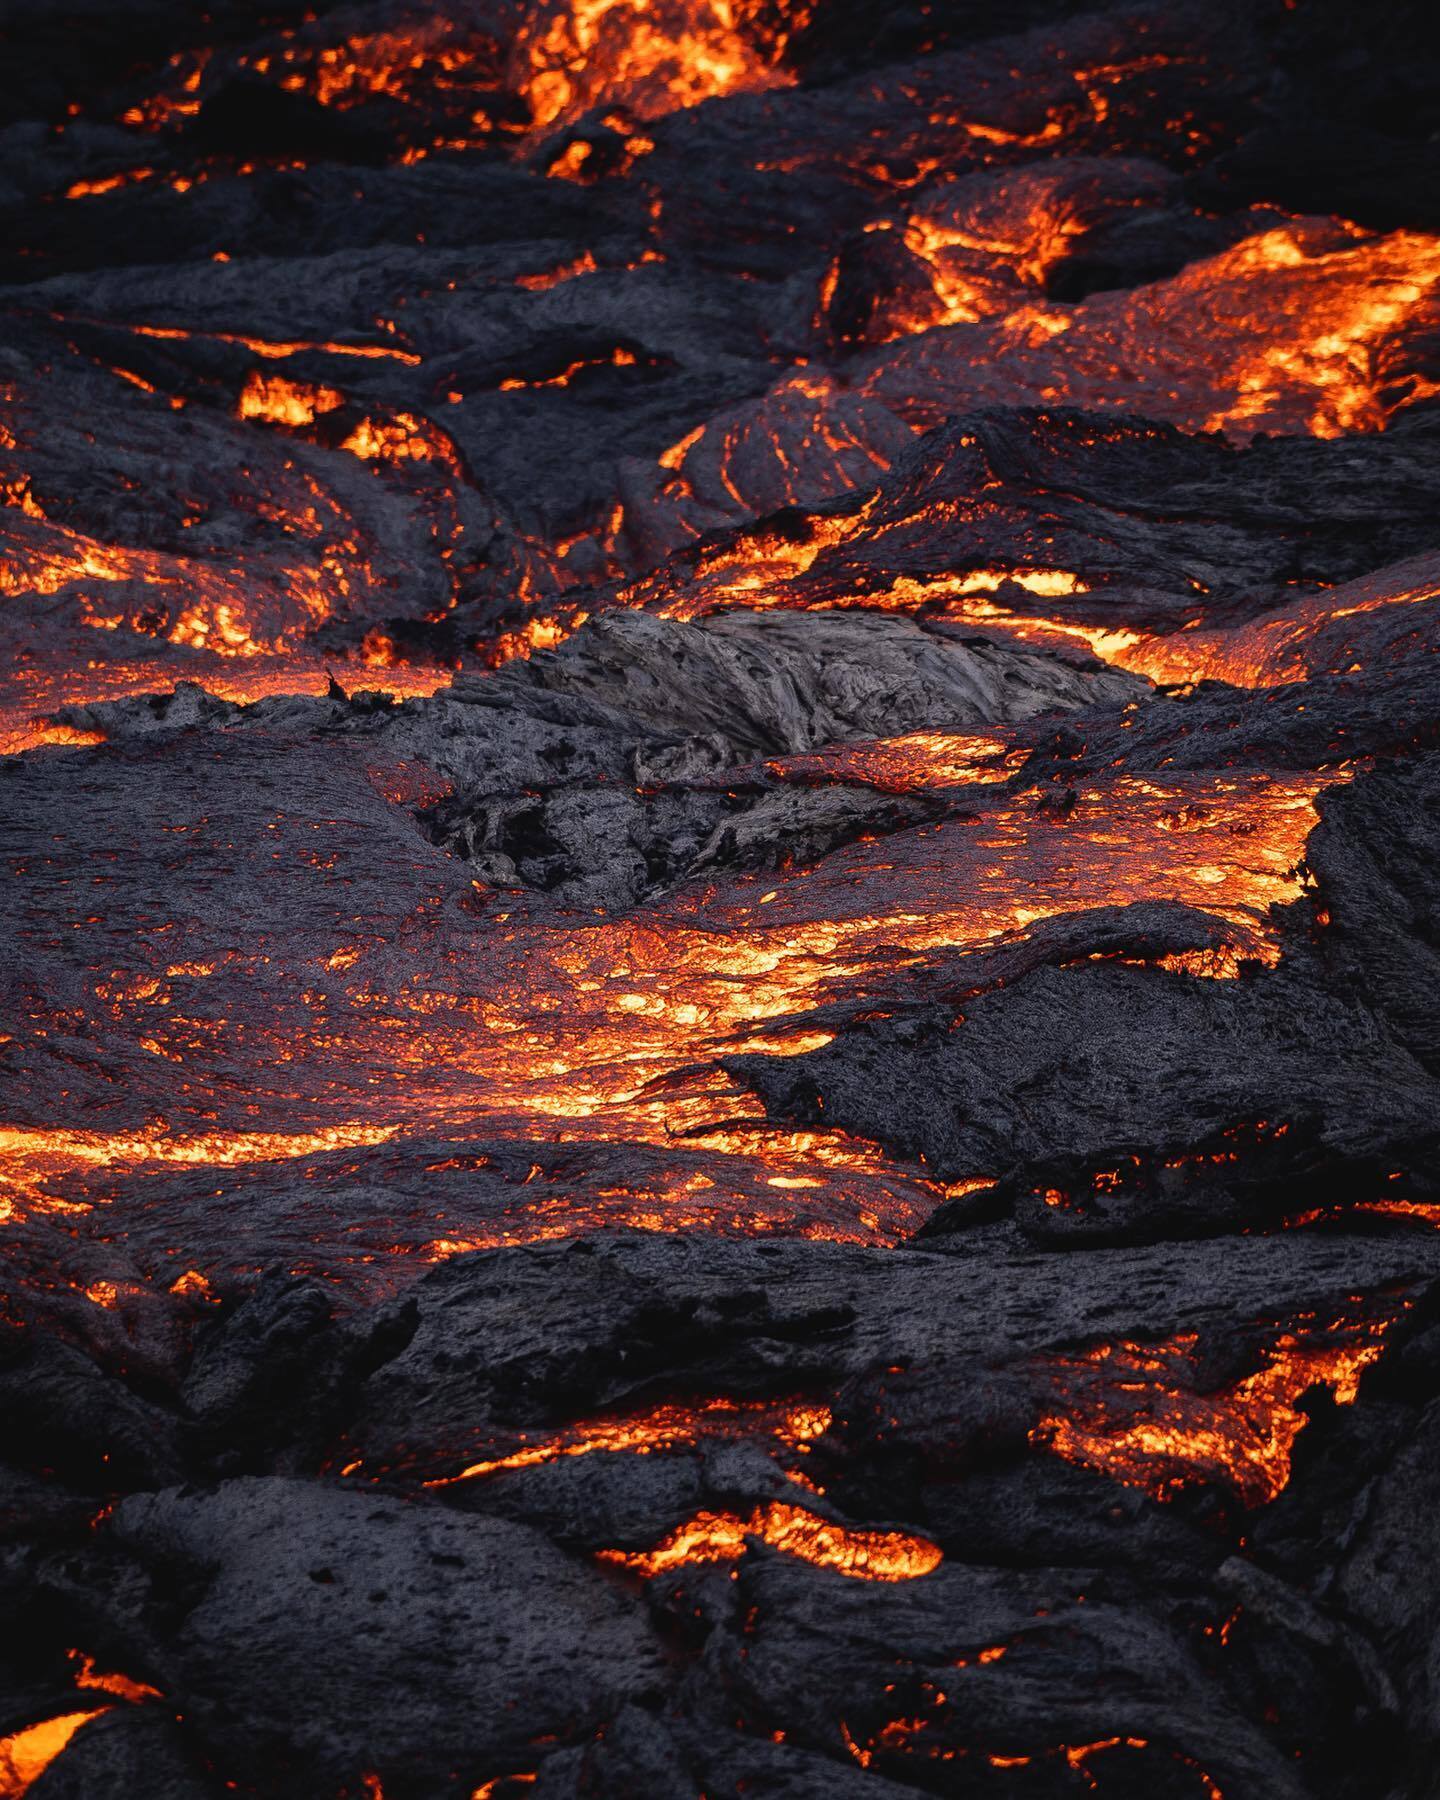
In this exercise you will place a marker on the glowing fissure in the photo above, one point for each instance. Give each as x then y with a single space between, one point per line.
918 1737
1287 645
907 764
24 724
270 347
864 1555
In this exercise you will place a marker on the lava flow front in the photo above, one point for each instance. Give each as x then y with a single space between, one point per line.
720 780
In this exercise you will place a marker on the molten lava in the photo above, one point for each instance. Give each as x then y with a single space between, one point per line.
606 1030
25 1755
649 57
122 1686
281 402
723 1537
665 1427
1130 1412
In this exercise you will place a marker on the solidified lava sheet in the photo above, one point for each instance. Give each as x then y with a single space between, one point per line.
720 820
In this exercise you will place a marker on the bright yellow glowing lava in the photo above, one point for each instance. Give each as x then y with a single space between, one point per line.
1339 306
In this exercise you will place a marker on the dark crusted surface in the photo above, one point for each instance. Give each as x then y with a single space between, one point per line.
807 1166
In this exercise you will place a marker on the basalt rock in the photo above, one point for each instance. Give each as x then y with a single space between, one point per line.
494 1637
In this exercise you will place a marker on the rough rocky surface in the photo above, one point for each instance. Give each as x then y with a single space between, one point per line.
720 801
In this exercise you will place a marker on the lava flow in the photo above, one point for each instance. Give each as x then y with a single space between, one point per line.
720 789
666 1427
1130 1412
720 1537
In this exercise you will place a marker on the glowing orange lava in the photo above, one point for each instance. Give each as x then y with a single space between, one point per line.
25 1755
721 1537
271 347
1130 1412
88 1676
1290 644
650 56
668 1426
607 1030
25 724
278 401
30 1156
405 437
1285 331
907 764
918 1736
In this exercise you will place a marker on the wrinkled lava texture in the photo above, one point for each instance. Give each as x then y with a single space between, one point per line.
720 793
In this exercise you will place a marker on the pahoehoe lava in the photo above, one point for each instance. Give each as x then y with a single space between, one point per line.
720 810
